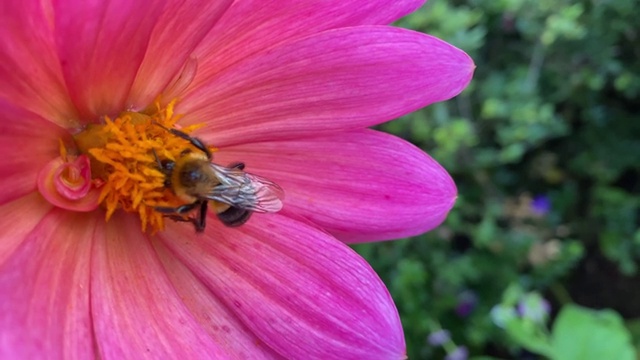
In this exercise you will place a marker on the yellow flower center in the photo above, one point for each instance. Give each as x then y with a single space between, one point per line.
125 154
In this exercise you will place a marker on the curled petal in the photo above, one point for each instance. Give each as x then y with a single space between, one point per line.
67 184
361 185
182 80
300 291
333 81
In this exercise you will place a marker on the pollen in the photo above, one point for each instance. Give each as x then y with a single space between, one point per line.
125 154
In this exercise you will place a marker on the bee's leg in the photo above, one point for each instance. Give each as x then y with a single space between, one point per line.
174 213
236 165
180 210
181 219
201 221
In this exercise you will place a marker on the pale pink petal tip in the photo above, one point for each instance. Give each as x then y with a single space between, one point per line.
67 184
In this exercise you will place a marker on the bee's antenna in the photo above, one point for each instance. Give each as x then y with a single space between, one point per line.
193 140
155 155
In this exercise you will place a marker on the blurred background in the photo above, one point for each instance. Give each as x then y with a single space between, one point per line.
539 258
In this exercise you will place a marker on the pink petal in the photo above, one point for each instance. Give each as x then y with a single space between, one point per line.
45 291
339 79
302 292
101 45
19 218
251 26
29 67
216 319
180 28
27 143
361 185
136 311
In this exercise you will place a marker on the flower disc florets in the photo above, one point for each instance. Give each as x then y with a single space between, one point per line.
125 155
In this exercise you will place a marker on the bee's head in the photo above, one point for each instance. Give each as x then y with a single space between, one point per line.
193 173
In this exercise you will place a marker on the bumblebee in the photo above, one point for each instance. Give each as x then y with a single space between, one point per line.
236 194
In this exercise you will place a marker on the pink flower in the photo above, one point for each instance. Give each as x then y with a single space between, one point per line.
287 87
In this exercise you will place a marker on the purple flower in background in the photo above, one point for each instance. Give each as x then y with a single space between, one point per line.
467 301
438 337
534 307
540 205
460 353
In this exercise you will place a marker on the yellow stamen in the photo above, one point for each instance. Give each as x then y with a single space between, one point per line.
122 157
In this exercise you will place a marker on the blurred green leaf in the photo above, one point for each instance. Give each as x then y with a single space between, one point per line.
584 334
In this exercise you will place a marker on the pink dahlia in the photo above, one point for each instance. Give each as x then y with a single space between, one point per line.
90 91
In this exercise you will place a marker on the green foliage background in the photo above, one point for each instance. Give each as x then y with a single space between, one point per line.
551 115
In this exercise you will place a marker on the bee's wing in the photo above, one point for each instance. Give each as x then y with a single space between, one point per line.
247 191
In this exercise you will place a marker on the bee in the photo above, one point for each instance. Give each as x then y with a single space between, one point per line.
236 194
